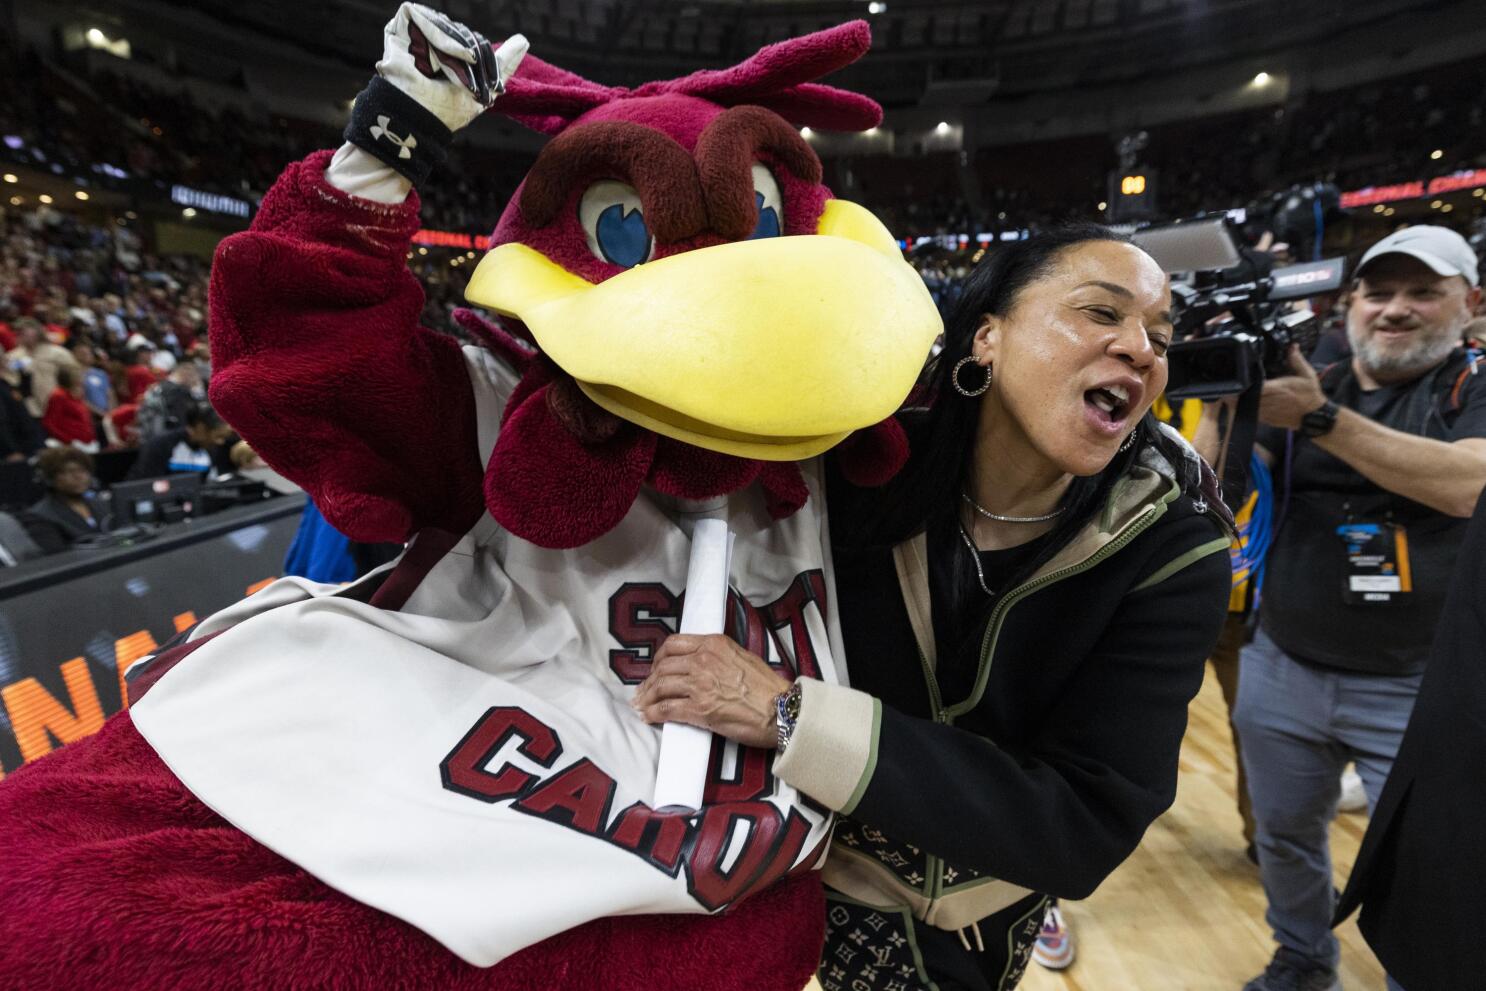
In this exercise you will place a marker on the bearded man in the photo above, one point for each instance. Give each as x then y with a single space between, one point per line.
1379 461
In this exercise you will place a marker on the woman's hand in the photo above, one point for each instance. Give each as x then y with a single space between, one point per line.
713 683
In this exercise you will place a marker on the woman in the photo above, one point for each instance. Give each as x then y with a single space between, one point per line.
1025 611
67 511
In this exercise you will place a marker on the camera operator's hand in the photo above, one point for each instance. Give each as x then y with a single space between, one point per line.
1285 401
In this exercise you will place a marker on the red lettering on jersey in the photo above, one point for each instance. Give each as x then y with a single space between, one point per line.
750 778
463 771
770 847
659 837
637 614
643 614
579 797
745 625
789 610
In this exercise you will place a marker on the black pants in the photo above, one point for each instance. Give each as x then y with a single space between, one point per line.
875 949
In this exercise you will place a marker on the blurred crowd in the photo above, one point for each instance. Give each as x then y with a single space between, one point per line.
1373 134
105 344
58 121
89 323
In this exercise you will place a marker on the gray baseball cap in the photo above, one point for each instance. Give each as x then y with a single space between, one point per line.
1444 251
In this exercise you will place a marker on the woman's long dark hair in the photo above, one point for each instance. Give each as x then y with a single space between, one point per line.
925 497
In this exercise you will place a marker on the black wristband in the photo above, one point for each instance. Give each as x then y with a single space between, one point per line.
394 127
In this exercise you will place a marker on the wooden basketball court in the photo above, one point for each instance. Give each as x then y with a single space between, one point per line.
1186 912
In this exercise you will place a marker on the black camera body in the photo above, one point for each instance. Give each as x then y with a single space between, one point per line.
1234 321
1230 334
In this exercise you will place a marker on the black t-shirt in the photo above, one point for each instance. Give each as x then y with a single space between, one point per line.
1303 609
961 633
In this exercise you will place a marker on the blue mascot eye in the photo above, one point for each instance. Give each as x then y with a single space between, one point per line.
623 237
613 221
768 219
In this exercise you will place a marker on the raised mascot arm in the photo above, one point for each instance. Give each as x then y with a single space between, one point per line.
320 361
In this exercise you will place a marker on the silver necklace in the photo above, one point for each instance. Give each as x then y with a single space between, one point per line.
980 574
1009 519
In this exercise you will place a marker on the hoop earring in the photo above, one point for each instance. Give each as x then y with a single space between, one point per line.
954 377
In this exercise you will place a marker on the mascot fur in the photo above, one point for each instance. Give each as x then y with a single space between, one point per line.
431 778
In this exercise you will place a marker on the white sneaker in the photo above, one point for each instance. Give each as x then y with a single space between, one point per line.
1054 946
1353 798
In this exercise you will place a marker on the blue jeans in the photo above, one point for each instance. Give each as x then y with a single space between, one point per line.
1298 725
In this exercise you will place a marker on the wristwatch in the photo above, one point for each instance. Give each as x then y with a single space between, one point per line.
1319 421
786 713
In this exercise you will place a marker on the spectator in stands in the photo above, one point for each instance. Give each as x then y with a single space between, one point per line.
67 419
68 510
7 322
98 391
200 445
108 309
1386 456
137 373
166 403
201 356
20 434
119 427
33 364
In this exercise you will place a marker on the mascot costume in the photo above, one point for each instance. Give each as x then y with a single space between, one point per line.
432 778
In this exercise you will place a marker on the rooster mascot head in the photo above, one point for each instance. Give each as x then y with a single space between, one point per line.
706 313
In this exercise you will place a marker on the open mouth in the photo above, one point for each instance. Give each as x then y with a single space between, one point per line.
1109 404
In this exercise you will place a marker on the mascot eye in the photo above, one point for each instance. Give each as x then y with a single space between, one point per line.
770 203
613 221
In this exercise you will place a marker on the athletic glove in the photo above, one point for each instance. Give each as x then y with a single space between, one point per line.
434 77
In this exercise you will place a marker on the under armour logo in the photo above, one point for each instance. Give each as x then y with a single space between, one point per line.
382 130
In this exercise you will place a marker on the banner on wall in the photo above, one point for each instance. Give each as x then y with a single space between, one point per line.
64 648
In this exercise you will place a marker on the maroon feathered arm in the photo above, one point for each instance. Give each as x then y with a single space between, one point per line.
321 365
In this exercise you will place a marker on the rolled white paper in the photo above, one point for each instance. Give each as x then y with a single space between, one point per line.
684 750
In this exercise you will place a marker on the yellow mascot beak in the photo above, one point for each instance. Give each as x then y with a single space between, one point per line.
775 348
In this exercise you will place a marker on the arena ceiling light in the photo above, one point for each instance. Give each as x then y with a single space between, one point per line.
805 132
1437 154
11 177
1262 80
80 194
942 127
875 7
95 37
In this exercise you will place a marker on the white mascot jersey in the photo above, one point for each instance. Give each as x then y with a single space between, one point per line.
470 763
